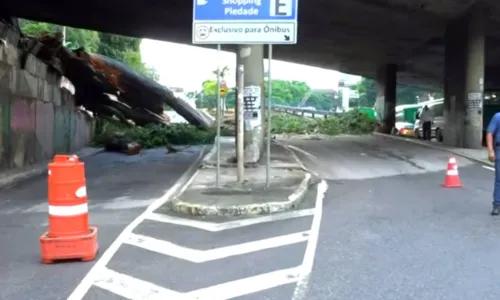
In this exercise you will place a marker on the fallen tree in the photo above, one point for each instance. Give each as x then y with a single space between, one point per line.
106 87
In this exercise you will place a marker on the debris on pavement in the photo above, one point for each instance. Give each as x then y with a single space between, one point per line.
118 142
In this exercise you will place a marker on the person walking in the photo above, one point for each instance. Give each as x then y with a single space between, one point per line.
426 118
493 144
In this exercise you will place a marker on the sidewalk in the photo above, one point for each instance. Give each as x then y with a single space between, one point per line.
10 177
288 186
477 155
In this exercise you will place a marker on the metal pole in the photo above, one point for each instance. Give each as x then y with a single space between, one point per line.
269 96
64 35
240 154
217 138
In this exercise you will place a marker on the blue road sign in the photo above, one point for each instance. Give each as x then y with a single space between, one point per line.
245 10
245 21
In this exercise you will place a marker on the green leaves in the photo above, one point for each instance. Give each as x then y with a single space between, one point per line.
285 92
404 94
352 122
122 48
74 37
154 135
210 87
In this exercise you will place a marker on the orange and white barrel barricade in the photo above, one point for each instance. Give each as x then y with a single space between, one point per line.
69 235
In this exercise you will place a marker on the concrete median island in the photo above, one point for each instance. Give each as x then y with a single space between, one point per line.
289 183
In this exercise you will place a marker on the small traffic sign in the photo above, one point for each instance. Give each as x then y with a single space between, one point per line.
245 21
223 88
223 91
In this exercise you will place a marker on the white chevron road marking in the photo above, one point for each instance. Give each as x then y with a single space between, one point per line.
132 288
136 289
201 256
216 227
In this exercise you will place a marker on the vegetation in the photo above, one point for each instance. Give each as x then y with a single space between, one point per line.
151 136
352 122
367 91
210 85
122 48
289 93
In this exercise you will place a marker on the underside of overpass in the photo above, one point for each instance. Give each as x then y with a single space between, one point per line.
450 44
354 36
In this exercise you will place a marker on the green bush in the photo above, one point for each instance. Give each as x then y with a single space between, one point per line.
155 135
352 122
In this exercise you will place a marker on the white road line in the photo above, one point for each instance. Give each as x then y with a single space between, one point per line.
489 168
88 280
216 227
249 285
201 256
133 288
307 264
304 152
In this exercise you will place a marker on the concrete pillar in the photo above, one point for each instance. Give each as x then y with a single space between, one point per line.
464 80
386 96
252 57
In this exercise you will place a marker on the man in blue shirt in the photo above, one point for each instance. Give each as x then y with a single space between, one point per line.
493 143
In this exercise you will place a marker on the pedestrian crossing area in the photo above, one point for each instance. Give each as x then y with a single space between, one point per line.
165 256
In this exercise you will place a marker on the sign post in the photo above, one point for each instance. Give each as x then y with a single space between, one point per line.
240 157
269 112
217 137
244 22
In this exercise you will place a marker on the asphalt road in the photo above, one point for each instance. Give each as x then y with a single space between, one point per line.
390 231
364 157
387 230
119 188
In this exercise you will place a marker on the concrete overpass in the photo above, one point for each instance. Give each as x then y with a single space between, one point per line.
355 36
372 38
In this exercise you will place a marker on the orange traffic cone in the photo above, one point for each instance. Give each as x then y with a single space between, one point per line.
69 235
452 180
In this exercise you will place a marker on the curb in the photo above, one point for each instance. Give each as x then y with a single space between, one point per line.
213 151
245 210
250 209
302 167
181 184
29 174
484 162
208 164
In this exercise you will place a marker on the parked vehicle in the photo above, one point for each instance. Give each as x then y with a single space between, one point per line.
403 125
403 128
437 108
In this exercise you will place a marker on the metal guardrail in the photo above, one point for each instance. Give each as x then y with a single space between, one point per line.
304 112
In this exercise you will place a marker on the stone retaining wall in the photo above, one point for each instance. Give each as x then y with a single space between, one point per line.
37 118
